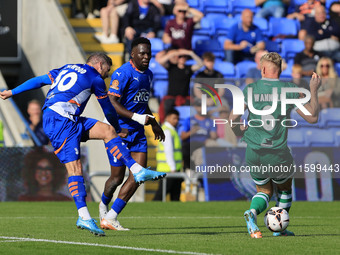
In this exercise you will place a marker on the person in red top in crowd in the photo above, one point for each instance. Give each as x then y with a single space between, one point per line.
178 31
305 10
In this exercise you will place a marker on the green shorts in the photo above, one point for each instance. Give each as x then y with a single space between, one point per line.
268 164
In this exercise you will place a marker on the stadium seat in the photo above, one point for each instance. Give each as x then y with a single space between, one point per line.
194 4
165 19
212 45
223 25
216 6
243 67
329 3
185 111
226 68
330 117
301 122
287 73
337 68
206 28
282 27
319 138
221 40
296 138
157 45
239 5
290 47
159 72
160 88
273 46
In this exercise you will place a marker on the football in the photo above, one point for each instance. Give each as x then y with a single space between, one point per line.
276 219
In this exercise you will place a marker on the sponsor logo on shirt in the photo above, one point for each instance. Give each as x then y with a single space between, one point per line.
142 96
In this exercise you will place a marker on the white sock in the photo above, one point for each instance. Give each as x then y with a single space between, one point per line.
255 214
84 213
135 168
103 206
111 215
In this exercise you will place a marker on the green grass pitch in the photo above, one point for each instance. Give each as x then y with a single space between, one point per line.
166 228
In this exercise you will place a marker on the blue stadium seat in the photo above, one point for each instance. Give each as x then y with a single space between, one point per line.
185 111
206 28
159 72
301 122
216 6
243 67
319 138
165 19
329 3
282 26
226 68
273 46
194 4
296 138
223 25
287 73
238 6
337 68
196 38
290 47
160 88
212 45
221 40
330 117
261 23
157 45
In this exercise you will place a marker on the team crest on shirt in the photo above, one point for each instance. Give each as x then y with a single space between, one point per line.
115 84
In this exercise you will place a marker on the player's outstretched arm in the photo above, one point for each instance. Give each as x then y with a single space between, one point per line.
110 113
34 83
313 105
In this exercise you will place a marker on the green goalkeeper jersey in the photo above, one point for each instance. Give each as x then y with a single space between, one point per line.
270 131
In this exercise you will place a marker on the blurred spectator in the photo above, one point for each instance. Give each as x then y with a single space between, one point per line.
225 134
82 9
297 77
305 10
169 157
244 39
254 73
167 6
329 91
109 16
43 176
271 8
308 58
142 19
179 78
334 12
211 77
325 31
35 121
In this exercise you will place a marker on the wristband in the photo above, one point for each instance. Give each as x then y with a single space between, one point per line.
140 118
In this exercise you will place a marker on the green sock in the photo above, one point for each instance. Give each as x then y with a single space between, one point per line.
259 202
284 199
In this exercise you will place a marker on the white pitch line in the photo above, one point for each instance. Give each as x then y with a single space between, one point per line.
162 217
101 245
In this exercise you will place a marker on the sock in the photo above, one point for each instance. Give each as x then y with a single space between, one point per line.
117 207
106 200
135 168
117 148
84 213
284 199
77 189
259 202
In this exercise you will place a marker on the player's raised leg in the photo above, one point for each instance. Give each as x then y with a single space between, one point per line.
284 200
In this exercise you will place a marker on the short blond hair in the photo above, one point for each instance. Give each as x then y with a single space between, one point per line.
273 58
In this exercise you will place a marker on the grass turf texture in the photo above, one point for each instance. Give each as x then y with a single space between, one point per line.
214 228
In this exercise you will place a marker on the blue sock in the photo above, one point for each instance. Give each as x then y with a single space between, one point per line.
106 200
115 148
77 189
118 205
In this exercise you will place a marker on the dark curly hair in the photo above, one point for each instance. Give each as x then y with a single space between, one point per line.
30 166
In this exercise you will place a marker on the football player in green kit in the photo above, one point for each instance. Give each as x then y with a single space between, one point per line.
266 135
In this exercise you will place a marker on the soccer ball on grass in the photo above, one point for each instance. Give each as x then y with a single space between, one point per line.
276 219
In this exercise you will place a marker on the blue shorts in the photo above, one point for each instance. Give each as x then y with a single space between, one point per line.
136 142
65 134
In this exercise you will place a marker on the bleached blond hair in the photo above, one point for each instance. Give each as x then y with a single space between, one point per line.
274 58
